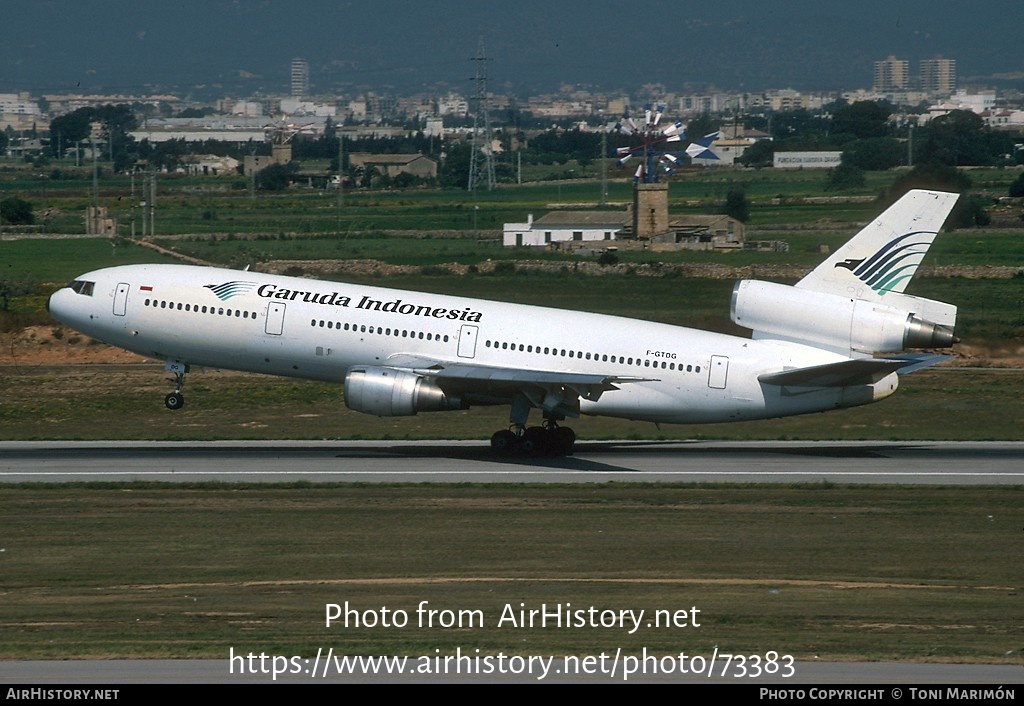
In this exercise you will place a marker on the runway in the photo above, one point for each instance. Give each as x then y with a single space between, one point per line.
878 462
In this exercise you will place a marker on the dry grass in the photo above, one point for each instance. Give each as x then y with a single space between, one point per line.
815 571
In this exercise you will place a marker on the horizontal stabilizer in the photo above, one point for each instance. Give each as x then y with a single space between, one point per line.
845 373
917 361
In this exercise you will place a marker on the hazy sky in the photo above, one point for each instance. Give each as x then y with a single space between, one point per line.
247 45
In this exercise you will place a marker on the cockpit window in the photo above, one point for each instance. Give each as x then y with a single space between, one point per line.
81 286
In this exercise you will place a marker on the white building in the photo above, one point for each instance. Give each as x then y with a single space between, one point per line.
226 128
210 165
566 226
299 107
807 160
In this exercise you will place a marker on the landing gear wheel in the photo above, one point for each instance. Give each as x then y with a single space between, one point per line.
503 442
562 440
535 441
174 400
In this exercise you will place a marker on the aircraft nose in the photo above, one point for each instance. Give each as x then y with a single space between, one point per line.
55 305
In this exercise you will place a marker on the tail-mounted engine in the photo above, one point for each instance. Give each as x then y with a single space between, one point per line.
847 325
389 392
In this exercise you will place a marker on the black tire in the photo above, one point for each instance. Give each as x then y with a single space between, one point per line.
535 441
503 442
562 441
174 401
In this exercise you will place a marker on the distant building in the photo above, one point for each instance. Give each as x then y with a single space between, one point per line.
1006 119
394 164
724 152
576 228
891 74
19 112
307 108
97 222
980 103
702 232
279 154
300 78
807 160
225 128
210 165
567 227
24 147
241 108
938 75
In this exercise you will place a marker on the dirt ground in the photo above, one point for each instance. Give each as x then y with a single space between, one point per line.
57 345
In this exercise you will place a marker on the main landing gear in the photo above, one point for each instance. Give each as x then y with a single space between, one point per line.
176 400
547 440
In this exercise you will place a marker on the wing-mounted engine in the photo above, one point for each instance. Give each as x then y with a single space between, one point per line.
846 325
390 392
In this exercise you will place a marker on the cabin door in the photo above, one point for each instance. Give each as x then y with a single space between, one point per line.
719 372
275 318
467 341
121 299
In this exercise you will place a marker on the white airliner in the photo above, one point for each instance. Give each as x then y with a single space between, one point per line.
835 339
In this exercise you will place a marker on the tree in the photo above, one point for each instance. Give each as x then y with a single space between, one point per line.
454 170
862 119
197 112
969 210
760 154
874 153
117 120
276 177
70 129
330 129
932 175
1017 187
958 138
799 124
845 177
16 212
736 203
700 126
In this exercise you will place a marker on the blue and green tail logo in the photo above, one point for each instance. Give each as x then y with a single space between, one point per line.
893 265
230 289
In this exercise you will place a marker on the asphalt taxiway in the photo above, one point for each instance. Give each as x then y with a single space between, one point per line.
878 462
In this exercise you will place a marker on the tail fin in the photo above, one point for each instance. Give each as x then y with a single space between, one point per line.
884 256
853 303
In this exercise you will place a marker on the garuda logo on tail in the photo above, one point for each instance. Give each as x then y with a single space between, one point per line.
893 264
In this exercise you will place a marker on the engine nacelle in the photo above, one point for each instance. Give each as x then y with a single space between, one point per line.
389 392
839 323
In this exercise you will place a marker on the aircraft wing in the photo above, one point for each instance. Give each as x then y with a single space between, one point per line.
546 389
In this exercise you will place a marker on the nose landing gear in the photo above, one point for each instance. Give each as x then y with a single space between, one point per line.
175 400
